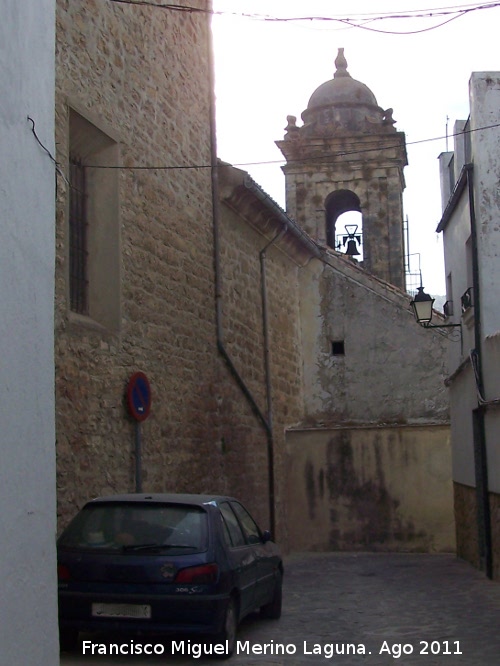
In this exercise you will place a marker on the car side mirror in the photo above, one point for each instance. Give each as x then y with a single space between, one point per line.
266 536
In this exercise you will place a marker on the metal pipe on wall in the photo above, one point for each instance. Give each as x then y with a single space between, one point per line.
478 415
218 293
267 369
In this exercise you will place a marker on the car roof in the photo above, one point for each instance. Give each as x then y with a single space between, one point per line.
173 498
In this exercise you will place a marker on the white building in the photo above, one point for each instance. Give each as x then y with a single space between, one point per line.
28 587
471 237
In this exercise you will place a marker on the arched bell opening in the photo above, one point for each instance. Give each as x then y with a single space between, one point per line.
344 223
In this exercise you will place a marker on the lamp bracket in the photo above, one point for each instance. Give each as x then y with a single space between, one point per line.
441 325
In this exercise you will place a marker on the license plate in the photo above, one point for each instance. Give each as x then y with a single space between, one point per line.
141 611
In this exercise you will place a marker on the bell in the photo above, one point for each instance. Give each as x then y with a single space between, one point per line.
352 248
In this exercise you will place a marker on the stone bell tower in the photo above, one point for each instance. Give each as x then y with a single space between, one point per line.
348 156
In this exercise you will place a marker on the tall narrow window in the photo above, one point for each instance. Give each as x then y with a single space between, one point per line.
78 234
93 252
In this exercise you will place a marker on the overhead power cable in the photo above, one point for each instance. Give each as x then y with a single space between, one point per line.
342 153
352 21
56 163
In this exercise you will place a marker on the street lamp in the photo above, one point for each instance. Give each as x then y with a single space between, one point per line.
422 306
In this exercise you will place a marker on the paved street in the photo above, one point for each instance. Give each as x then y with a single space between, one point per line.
414 610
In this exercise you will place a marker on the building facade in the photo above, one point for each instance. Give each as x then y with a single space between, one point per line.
369 464
134 275
162 285
471 239
359 426
249 328
28 587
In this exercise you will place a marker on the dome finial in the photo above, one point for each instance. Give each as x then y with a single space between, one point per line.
341 65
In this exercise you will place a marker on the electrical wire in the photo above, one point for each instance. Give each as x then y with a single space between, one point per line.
343 153
457 10
57 165
159 5
429 12
453 12
32 123
474 359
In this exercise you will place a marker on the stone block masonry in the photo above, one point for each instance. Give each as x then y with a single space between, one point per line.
139 75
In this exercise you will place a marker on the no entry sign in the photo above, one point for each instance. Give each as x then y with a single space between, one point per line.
139 396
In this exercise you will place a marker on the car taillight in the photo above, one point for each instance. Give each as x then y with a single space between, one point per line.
207 573
63 572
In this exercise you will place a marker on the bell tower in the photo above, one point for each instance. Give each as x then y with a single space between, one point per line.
348 156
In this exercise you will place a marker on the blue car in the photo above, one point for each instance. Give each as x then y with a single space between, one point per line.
166 564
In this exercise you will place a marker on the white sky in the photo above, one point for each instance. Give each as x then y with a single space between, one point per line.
268 70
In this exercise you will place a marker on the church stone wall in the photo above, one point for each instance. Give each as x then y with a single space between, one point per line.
140 75
243 338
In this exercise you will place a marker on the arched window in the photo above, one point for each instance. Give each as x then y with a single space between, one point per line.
343 207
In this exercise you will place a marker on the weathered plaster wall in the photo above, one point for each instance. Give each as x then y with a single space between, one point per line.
370 489
463 402
28 585
392 371
491 351
484 91
361 465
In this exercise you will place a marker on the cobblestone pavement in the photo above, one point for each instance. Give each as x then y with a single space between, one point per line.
370 609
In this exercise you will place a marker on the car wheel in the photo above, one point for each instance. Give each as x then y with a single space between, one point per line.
272 610
68 639
230 628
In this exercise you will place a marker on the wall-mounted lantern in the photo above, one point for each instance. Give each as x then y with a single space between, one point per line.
422 306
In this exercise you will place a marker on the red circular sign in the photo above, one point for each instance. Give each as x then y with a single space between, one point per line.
139 396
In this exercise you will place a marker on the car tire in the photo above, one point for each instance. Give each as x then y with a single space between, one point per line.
272 610
68 639
229 630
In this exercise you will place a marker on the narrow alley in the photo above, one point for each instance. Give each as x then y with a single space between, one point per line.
356 608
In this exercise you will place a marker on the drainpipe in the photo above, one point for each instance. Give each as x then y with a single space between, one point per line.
218 290
267 368
479 430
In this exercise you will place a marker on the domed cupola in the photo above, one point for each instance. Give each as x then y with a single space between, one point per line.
344 104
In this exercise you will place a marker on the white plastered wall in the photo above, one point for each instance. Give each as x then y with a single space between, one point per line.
28 585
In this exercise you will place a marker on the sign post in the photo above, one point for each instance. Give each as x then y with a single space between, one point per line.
139 405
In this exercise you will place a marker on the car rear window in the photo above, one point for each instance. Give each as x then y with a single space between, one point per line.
132 526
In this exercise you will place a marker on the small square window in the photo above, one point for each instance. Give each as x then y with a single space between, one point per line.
338 348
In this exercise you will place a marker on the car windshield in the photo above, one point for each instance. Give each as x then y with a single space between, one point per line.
133 527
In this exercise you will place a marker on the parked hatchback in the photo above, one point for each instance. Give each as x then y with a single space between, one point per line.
160 563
